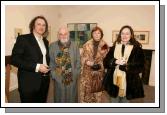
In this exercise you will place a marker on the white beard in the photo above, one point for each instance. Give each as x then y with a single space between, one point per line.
64 41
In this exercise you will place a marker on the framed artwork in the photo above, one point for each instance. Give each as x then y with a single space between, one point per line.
114 35
80 32
140 36
17 32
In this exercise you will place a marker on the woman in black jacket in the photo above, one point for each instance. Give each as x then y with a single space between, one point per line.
124 62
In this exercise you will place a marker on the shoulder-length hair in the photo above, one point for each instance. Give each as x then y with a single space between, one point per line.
32 24
95 29
132 40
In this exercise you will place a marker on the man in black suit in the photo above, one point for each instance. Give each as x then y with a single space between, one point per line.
30 54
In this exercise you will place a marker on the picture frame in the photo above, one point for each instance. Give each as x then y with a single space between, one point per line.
140 36
17 32
80 32
114 35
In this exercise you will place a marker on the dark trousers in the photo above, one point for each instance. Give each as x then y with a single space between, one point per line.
36 96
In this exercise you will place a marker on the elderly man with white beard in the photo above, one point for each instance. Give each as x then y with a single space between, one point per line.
65 67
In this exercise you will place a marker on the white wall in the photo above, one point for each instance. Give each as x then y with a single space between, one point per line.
20 17
108 17
111 18
152 70
13 79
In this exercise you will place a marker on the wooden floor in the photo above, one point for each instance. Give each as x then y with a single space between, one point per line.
149 95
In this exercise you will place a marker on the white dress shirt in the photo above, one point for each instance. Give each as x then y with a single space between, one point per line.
43 50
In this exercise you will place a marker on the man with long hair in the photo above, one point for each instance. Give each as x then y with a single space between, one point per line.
31 55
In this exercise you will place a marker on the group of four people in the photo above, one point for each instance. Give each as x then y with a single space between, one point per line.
73 73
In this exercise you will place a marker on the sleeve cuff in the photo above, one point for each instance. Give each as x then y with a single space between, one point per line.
37 68
112 62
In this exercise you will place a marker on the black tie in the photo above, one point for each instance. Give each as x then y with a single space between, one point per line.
123 48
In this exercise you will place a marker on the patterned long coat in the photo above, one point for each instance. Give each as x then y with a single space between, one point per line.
85 95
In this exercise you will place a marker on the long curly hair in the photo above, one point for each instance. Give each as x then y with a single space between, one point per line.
32 25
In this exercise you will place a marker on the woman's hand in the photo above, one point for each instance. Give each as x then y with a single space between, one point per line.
90 63
120 62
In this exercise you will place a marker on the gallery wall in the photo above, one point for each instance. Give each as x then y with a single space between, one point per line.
110 18
20 17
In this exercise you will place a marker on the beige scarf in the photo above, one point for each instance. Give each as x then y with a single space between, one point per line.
119 77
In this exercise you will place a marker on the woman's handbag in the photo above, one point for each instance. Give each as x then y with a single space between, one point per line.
96 83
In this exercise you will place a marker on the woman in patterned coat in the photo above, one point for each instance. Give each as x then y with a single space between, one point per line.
92 57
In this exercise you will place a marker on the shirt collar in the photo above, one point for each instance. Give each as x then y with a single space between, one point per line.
38 38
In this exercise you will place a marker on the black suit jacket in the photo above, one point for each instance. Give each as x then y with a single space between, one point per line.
25 55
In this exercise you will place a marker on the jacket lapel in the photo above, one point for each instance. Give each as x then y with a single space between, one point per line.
35 45
46 45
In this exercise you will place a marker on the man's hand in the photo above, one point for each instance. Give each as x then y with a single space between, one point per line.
43 68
